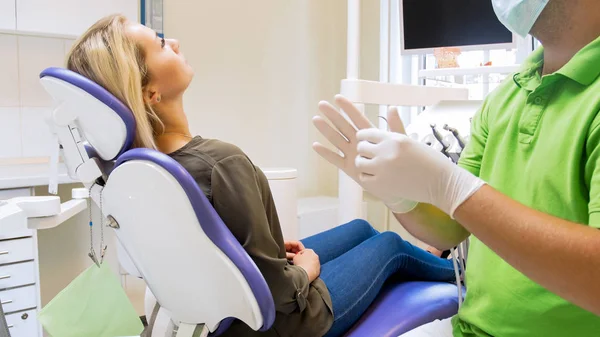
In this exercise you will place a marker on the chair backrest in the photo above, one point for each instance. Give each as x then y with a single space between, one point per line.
188 257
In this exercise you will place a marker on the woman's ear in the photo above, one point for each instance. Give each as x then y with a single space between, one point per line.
151 97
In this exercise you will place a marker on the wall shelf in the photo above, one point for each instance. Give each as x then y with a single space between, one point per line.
67 210
22 175
433 73
37 34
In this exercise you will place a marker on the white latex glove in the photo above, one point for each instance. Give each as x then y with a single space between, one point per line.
343 137
393 165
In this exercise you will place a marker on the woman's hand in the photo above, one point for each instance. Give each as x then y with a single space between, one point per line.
309 261
292 248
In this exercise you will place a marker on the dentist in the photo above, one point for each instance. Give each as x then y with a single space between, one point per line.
527 187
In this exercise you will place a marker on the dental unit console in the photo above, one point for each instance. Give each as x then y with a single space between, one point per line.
453 136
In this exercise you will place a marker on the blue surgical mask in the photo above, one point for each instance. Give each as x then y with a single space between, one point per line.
519 15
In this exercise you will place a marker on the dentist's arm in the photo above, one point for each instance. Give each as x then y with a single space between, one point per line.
522 236
427 222
526 238
432 226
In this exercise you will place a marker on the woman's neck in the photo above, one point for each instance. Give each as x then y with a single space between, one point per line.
176 132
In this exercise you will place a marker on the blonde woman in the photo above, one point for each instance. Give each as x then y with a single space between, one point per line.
322 285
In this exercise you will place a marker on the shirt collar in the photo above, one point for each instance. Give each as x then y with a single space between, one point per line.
528 76
584 67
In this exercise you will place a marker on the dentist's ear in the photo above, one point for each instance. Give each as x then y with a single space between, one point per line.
394 122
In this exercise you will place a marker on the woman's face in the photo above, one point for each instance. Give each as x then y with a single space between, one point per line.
170 74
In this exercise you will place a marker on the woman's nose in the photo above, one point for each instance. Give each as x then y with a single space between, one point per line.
174 45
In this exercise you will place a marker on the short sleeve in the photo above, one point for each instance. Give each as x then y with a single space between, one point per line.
470 158
592 175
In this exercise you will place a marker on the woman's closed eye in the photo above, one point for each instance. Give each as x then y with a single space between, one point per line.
162 40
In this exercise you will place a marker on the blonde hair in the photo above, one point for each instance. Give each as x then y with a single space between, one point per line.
107 56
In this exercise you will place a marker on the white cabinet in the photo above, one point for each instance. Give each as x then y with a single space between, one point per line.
69 17
19 279
7 14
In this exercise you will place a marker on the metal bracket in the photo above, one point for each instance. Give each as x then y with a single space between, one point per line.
112 223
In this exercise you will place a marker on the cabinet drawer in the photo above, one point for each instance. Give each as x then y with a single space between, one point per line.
16 250
23 324
18 274
18 299
17 231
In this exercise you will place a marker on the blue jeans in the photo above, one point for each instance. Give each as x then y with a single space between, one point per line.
356 260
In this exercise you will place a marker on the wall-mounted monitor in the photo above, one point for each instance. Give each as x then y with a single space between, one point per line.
467 24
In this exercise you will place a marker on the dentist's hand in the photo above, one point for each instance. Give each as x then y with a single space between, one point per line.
396 166
343 137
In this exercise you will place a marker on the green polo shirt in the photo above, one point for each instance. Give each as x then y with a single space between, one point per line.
537 140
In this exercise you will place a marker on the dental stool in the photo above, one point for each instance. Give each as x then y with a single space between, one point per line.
173 238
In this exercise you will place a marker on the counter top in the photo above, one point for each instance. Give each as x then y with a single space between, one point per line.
67 210
21 175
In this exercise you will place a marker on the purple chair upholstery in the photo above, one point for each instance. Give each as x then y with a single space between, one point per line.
399 308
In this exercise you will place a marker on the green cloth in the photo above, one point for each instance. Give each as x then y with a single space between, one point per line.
93 305
537 140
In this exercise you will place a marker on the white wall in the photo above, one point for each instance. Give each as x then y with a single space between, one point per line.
24 104
261 68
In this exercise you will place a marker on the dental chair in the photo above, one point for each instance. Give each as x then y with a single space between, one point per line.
170 235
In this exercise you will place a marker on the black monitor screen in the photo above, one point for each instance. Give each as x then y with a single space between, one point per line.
451 23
